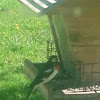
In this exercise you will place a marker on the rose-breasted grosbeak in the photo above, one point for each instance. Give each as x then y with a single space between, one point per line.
48 73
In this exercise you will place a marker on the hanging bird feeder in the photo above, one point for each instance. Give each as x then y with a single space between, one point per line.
75 26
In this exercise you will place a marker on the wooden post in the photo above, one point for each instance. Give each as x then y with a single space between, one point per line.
61 40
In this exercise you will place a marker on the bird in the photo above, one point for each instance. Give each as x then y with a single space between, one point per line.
48 73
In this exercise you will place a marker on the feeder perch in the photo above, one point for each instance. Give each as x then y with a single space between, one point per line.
75 26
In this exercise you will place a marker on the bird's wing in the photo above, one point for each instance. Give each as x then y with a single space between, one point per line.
41 76
48 71
51 76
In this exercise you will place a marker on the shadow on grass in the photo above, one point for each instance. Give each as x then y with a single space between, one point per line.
18 93
11 93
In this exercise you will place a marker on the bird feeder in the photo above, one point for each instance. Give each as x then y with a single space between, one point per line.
75 26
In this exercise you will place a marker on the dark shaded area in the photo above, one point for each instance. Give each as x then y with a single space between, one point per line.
15 93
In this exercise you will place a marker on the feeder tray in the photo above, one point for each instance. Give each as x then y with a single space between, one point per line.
69 88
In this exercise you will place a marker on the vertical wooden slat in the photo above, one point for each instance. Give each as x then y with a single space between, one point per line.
62 41
54 35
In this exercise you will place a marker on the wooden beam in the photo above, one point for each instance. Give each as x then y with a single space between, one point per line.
54 35
62 40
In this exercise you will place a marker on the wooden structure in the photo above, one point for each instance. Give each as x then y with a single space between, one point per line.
76 30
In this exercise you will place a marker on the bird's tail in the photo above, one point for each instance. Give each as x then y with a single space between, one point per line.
30 91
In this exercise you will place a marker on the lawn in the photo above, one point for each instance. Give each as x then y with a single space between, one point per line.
22 36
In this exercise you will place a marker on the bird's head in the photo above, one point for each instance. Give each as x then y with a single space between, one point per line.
53 60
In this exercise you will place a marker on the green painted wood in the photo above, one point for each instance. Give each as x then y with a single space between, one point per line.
54 35
62 41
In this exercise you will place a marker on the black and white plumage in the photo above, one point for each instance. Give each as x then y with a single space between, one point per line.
48 73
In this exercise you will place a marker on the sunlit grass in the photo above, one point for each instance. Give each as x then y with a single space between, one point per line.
21 37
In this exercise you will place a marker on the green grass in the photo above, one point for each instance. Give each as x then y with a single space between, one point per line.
22 36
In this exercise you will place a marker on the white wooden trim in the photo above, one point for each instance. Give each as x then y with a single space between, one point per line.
52 1
79 92
41 3
30 6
